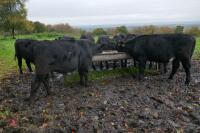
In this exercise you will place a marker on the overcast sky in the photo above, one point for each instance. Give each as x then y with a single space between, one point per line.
100 12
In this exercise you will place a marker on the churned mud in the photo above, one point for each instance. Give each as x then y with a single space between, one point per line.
117 105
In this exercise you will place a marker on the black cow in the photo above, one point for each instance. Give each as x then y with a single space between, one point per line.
63 57
162 48
162 67
120 39
24 49
129 37
103 39
108 45
88 36
92 40
66 38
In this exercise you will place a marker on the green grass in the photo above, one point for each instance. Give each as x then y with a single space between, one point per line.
7 62
197 49
9 65
105 74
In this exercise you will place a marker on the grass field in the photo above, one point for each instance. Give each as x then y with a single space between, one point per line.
9 65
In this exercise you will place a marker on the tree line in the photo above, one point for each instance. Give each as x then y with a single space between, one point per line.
194 30
13 20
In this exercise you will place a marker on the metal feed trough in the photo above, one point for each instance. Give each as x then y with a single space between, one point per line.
115 55
110 55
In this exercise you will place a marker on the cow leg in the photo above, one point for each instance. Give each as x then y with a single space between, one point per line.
121 63
86 78
28 63
19 59
81 74
35 84
142 65
161 68
93 66
126 63
83 77
52 75
135 63
175 66
158 66
114 64
150 65
165 67
186 65
101 65
107 65
46 85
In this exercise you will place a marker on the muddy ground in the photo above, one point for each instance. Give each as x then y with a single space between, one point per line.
113 105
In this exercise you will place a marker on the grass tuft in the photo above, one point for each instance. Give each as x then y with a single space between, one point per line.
105 74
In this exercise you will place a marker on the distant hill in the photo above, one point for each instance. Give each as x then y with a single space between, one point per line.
170 24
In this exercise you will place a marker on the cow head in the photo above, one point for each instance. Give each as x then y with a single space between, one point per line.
121 47
98 48
88 36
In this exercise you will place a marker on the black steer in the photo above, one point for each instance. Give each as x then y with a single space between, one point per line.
162 48
66 38
162 67
63 57
118 40
88 36
108 45
92 40
129 37
24 50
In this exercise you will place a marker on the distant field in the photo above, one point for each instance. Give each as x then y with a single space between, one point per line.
8 64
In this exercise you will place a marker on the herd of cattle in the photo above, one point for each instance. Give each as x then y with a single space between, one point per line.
67 54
